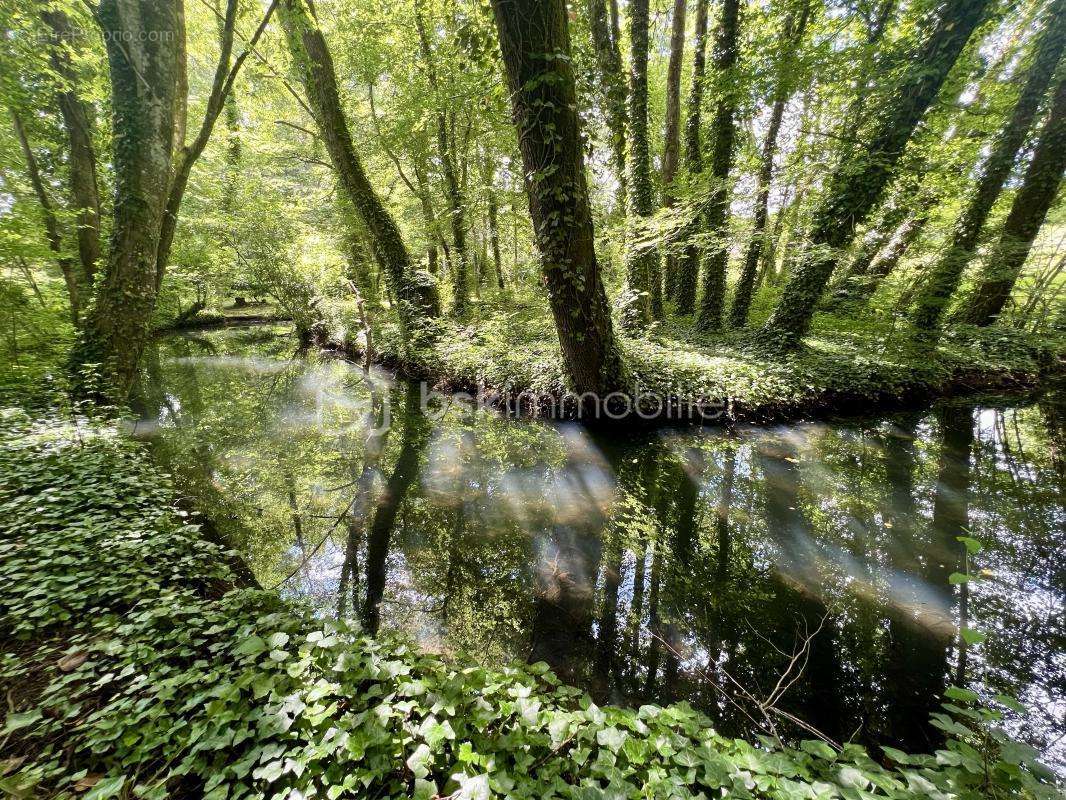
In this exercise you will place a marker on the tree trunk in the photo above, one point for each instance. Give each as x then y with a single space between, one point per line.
145 56
544 103
856 184
493 208
416 296
887 261
51 224
1026 215
188 154
612 85
716 257
688 266
81 159
672 129
452 189
642 261
791 37
943 279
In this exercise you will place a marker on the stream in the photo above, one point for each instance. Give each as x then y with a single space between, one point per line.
809 572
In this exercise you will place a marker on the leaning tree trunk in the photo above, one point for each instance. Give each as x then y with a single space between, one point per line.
81 159
642 260
786 66
856 184
51 223
145 54
688 265
887 261
545 113
672 128
612 85
716 258
416 298
943 279
1026 215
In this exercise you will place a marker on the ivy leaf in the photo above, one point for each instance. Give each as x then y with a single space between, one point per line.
107 788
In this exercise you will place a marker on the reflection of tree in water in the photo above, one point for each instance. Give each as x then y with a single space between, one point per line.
655 568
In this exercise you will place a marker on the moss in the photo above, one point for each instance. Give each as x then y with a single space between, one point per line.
843 366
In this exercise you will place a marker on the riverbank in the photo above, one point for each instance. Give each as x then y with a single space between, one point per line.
136 664
510 358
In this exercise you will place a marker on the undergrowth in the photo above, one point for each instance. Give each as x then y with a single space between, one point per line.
134 665
512 347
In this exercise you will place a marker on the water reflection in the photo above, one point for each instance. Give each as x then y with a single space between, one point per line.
768 576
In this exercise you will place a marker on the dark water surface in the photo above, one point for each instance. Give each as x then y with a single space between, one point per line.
682 564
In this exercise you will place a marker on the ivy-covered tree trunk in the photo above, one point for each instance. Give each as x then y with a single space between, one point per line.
612 85
535 45
642 260
452 188
1026 215
81 158
857 182
943 279
716 256
688 264
145 52
791 37
416 297
672 128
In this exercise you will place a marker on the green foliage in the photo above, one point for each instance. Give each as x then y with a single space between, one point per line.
136 665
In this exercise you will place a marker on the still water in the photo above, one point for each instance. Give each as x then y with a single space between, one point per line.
813 568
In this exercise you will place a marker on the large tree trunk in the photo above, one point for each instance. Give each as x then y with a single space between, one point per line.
81 159
545 114
688 266
672 132
672 129
716 257
51 223
612 85
791 37
145 54
452 188
642 261
856 184
1026 215
416 298
943 279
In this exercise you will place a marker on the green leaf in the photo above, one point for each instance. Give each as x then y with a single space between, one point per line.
252 646
972 545
955 578
18 720
960 694
108 787
972 636
818 748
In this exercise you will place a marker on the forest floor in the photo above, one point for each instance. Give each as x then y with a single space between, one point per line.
843 366
135 664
